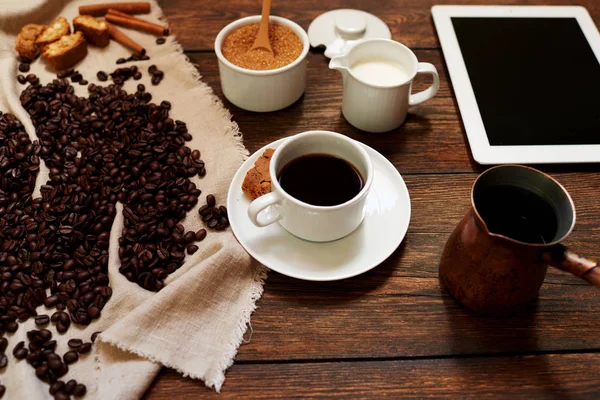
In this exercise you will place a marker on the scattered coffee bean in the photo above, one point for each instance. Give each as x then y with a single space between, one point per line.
3 361
70 357
210 200
42 320
121 61
66 73
2 390
155 80
61 396
21 79
75 343
24 67
76 77
152 69
160 40
33 79
79 390
70 386
137 76
191 249
57 387
102 76
83 82
3 344
84 348
200 235
94 336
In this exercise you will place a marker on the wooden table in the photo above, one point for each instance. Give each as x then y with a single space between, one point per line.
394 331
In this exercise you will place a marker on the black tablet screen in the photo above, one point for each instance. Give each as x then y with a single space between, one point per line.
536 80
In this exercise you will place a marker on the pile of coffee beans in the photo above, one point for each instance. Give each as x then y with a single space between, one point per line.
108 147
215 217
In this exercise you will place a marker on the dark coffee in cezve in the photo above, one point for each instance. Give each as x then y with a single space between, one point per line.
320 180
517 213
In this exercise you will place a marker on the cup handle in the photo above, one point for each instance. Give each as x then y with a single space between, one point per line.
560 257
417 98
259 205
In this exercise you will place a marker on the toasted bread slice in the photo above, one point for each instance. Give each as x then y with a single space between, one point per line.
94 30
25 43
66 52
53 32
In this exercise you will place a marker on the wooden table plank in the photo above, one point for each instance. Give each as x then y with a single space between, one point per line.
568 376
196 25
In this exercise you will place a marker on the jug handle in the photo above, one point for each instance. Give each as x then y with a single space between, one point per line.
560 257
417 98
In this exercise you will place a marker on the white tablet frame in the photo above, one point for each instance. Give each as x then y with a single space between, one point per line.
482 152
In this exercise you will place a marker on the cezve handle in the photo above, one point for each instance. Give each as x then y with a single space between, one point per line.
260 204
560 257
426 68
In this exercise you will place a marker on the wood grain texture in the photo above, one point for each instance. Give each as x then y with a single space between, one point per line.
197 24
541 376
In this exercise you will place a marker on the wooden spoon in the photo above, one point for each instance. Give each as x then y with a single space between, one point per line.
262 39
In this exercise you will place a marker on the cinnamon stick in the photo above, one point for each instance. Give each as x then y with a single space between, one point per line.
131 17
98 10
140 25
122 38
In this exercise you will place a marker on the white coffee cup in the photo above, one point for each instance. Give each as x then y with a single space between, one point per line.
381 106
309 222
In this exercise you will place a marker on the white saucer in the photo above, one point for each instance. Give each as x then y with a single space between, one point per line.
381 232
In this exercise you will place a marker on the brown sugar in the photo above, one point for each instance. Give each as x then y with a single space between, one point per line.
286 46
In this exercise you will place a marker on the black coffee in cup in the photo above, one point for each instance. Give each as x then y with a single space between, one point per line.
320 180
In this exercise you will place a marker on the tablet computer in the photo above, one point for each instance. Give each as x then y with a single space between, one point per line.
526 79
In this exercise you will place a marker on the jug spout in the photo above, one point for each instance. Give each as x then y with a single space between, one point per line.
339 63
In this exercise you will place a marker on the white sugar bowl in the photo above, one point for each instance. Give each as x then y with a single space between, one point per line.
264 90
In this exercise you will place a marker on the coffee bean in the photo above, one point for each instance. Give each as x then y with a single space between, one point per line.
57 387
191 249
31 78
189 237
141 87
84 348
210 200
66 73
76 77
79 390
61 396
121 61
70 386
83 82
160 40
42 320
3 344
2 390
137 76
155 80
74 343
19 351
21 79
95 335
213 223
70 357
3 361
200 235
152 69
24 67
102 76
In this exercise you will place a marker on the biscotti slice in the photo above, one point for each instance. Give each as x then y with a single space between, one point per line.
53 32
25 43
66 52
94 30
257 181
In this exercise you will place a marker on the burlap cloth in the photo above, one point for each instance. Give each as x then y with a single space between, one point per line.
196 323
